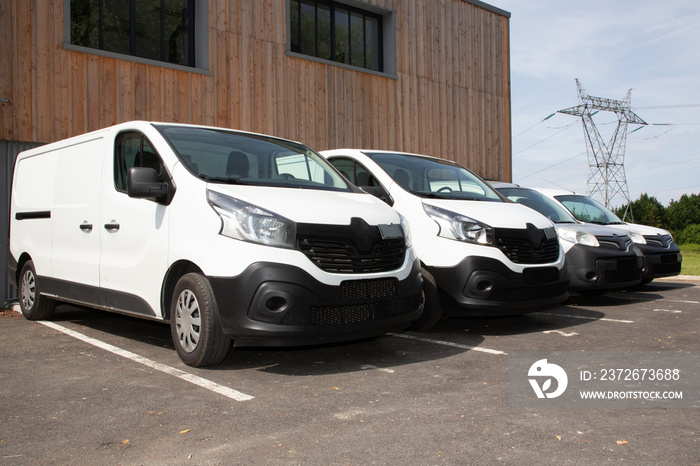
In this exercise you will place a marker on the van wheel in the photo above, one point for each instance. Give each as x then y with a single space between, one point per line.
432 313
194 323
34 306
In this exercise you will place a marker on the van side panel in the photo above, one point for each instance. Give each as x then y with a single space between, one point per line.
31 209
75 218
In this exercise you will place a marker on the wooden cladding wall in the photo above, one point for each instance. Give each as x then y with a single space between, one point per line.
450 96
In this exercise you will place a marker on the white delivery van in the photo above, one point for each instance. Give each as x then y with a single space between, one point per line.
229 236
600 257
662 256
480 254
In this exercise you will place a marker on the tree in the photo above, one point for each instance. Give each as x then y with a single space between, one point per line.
684 212
647 210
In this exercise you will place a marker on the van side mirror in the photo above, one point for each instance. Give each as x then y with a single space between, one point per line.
143 183
378 193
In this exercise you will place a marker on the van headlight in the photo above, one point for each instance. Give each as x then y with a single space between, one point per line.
248 222
408 239
637 238
577 237
460 227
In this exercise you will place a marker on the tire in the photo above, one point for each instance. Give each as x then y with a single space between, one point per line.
646 281
194 323
432 313
34 306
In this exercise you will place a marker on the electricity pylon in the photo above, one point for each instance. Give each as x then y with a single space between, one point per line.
606 162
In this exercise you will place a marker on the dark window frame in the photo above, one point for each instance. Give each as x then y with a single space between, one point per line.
295 42
190 42
121 165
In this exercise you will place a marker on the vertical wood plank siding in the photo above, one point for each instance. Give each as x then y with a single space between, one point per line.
450 96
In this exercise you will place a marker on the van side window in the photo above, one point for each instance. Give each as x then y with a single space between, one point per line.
346 167
132 149
355 172
449 179
299 166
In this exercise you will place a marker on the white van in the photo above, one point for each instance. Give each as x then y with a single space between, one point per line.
229 236
600 257
662 256
480 254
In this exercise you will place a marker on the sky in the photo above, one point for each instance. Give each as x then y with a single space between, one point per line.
610 46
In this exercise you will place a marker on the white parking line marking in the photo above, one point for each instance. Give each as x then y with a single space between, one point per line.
564 334
668 310
587 318
191 378
446 343
365 367
681 301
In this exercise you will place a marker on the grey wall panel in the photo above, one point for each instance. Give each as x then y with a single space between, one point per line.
8 154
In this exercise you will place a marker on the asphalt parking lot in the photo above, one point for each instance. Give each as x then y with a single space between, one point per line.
91 387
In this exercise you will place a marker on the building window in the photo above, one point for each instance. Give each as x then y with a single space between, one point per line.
337 32
160 30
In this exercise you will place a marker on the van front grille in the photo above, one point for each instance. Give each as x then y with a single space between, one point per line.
354 248
659 240
369 289
622 243
530 246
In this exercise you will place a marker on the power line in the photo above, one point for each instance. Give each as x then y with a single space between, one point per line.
542 140
677 189
668 106
550 166
538 123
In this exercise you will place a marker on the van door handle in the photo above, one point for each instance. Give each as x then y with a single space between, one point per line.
112 226
85 226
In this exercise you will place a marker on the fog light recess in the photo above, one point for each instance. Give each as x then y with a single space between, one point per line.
276 304
484 285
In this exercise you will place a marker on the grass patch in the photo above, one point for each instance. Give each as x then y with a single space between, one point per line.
691 259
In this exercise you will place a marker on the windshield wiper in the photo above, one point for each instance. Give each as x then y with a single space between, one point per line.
424 194
221 179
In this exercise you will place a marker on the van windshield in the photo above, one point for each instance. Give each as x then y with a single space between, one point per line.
433 178
538 202
231 157
588 210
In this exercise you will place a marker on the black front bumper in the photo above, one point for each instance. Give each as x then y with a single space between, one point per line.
660 261
601 268
481 286
273 304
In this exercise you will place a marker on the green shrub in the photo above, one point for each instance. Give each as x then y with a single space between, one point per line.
689 235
